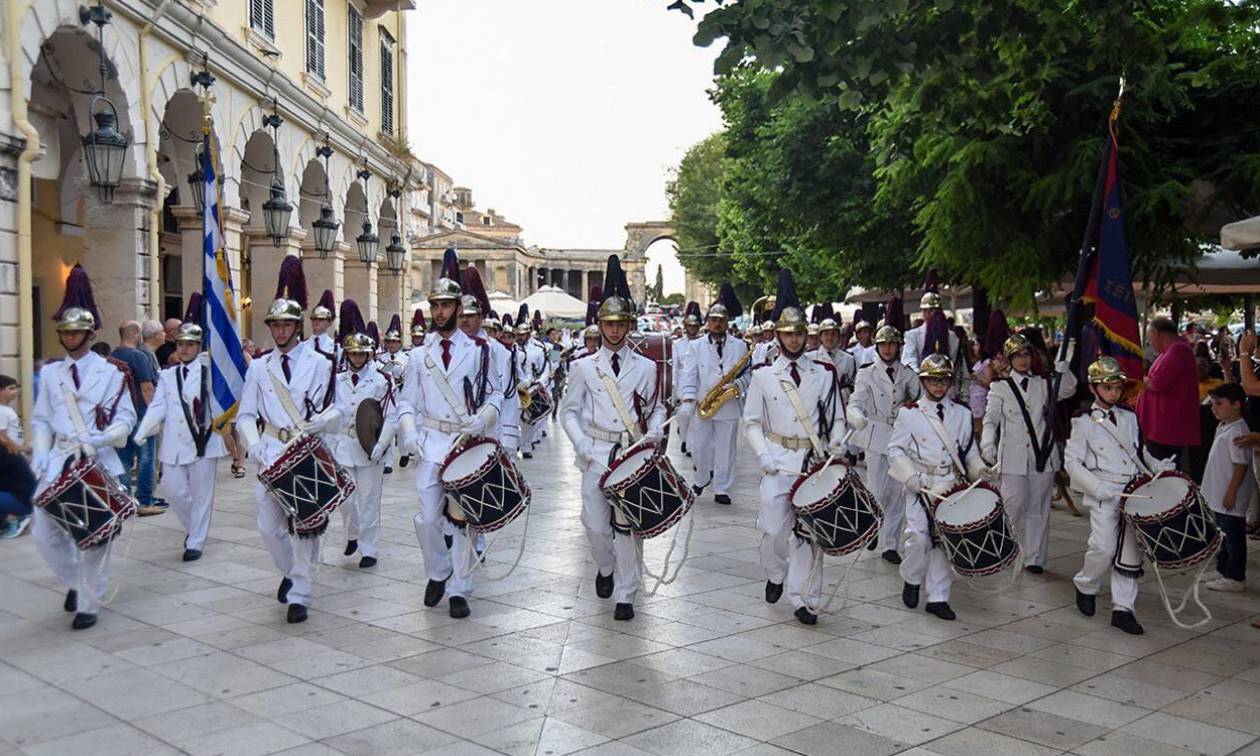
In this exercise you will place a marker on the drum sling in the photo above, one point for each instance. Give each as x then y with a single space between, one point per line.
1041 454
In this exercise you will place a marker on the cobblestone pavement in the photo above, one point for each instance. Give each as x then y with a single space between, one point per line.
197 657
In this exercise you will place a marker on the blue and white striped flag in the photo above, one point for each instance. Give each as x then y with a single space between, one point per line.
222 327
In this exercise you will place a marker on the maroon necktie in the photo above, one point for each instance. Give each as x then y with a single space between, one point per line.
892 371
284 366
446 353
940 411
354 379
1023 384
616 363
796 374
1111 415
74 374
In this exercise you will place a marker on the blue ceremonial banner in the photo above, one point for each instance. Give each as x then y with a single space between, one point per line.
222 327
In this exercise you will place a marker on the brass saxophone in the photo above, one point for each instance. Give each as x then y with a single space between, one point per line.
526 398
724 391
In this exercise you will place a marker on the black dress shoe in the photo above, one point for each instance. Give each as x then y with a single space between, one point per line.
366 562
774 591
624 612
891 556
940 609
806 617
871 544
1085 603
603 585
404 460
388 470
684 449
910 595
434 591
459 607
697 490
192 555
282 593
72 600
82 621
448 540
527 455
1035 569
722 499
351 546
297 613
1126 622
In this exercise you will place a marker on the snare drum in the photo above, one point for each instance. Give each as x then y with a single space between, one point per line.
833 508
308 482
975 531
539 405
1170 519
484 489
87 502
647 494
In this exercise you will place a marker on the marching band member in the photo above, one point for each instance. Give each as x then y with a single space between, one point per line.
286 394
322 337
831 350
418 329
1014 429
358 381
613 397
84 407
393 361
708 361
504 333
792 416
190 450
934 336
448 391
535 373
1104 452
863 350
474 303
880 390
691 332
930 450
812 340
764 351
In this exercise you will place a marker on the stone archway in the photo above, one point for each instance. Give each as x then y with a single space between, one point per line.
640 236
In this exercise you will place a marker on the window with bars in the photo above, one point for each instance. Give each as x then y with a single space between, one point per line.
355 27
315 38
387 82
262 17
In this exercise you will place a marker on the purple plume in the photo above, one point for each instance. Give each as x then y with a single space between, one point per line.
895 314
374 332
196 308
450 264
78 294
996 334
472 285
349 320
292 283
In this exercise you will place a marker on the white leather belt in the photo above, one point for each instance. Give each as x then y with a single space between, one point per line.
933 469
283 435
68 444
442 426
611 437
791 443
1113 477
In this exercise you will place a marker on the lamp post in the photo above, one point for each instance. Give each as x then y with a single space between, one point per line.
104 147
395 254
368 242
326 225
276 209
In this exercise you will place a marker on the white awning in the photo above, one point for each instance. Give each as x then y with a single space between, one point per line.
553 302
1243 234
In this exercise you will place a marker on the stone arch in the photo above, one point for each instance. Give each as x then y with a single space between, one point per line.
640 236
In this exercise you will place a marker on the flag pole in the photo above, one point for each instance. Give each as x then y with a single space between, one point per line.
1072 328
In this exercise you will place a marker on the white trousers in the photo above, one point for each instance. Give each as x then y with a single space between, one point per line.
84 571
1027 502
615 554
530 434
454 564
296 558
510 434
786 558
683 425
361 514
714 453
891 498
1100 550
190 490
920 560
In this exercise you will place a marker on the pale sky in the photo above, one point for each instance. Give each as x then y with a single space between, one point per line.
565 116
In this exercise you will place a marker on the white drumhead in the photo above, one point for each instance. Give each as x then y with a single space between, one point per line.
630 465
819 485
966 506
1157 496
468 462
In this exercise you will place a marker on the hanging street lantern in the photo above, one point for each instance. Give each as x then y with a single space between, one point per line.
197 184
368 242
276 209
395 253
105 147
326 225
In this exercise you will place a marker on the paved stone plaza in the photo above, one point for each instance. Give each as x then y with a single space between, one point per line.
197 658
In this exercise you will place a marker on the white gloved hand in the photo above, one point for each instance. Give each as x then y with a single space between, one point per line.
989 473
989 455
1109 490
585 450
86 449
836 448
1061 367
411 443
914 484
686 409
474 426
39 465
1163 465
768 467
379 450
940 488
653 436
857 420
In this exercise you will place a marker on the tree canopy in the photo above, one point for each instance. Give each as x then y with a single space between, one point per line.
870 140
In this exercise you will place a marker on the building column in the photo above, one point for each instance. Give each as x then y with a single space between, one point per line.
265 259
586 285
324 273
116 251
389 297
10 293
360 285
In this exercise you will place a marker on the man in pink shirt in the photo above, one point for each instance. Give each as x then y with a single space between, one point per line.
1168 408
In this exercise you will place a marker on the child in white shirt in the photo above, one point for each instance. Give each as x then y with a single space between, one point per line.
1228 487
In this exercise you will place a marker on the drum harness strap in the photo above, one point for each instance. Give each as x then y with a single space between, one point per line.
200 436
1041 454
448 393
1192 593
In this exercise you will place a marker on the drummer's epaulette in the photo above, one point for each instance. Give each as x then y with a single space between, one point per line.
479 341
388 377
828 364
122 366
761 365
264 353
912 404
331 357
581 357
863 367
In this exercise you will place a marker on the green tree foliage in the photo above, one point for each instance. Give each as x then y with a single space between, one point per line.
980 124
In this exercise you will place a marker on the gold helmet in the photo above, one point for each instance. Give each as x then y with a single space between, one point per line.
446 287
828 324
887 335
189 332
769 325
618 303
468 305
359 343
590 332
523 328
860 325
936 366
324 309
1014 345
394 332
812 329
791 320
492 325
1106 370
930 301
76 319
78 308
283 309
753 330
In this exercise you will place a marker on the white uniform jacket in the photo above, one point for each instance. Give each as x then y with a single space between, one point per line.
471 378
933 459
704 368
863 354
312 377
325 343
587 413
395 365
846 367
765 352
104 401
176 415
1100 460
536 366
678 363
877 398
1004 423
373 383
912 354
771 422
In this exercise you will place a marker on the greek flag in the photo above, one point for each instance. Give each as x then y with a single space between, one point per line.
222 328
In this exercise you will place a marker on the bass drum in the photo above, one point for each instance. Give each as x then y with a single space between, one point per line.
659 348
